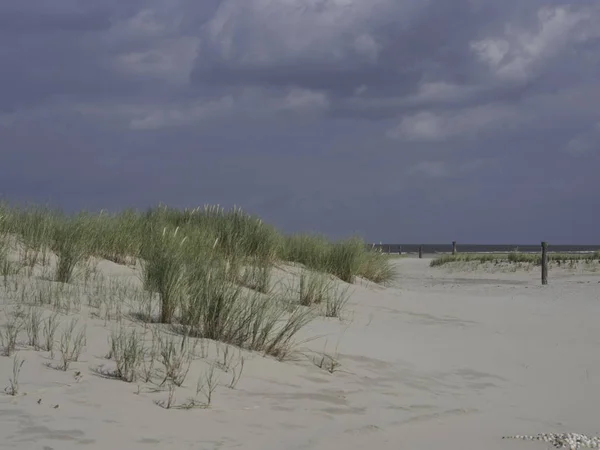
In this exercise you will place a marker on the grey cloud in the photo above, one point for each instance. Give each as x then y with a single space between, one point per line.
324 45
401 120
39 22
450 46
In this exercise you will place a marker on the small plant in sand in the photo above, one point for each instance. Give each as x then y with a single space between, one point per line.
9 333
68 242
13 387
336 303
127 349
327 362
224 356
170 401
33 325
315 288
236 373
227 362
50 325
72 344
147 366
206 385
176 358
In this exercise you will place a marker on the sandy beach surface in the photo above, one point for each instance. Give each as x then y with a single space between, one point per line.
444 358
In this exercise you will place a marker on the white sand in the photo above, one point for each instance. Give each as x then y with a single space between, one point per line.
444 359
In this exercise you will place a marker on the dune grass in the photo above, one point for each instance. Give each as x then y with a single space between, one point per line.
320 290
241 239
515 257
209 268
345 259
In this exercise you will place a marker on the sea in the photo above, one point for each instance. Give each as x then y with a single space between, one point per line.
483 248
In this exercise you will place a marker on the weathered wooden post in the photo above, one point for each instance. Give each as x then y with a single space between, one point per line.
454 247
400 250
420 251
544 263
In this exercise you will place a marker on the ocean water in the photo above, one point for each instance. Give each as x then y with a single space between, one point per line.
483 248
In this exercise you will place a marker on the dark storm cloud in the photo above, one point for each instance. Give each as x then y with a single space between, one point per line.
400 120
31 22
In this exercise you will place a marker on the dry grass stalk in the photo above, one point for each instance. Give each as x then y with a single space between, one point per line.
13 387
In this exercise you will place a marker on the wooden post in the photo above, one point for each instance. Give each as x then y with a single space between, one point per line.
544 263
454 247
400 250
420 251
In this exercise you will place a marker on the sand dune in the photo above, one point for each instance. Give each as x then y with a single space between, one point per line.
448 358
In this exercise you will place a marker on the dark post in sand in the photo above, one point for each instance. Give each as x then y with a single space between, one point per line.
420 251
454 247
544 263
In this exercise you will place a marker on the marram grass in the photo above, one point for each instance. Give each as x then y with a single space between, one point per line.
209 268
515 257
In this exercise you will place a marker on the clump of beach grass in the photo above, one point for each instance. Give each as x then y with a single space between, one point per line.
218 309
163 269
117 237
317 288
35 226
314 287
346 259
376 267
127 349
200 295
70 244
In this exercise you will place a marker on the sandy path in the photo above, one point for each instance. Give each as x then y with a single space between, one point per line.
442 359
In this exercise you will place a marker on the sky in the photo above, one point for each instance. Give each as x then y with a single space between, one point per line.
402 121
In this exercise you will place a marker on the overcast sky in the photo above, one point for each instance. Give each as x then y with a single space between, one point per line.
401 120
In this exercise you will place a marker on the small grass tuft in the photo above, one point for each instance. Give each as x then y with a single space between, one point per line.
163 270
126 348
69 244
13 387
71 344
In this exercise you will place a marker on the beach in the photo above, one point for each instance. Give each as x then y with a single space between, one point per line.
451 357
